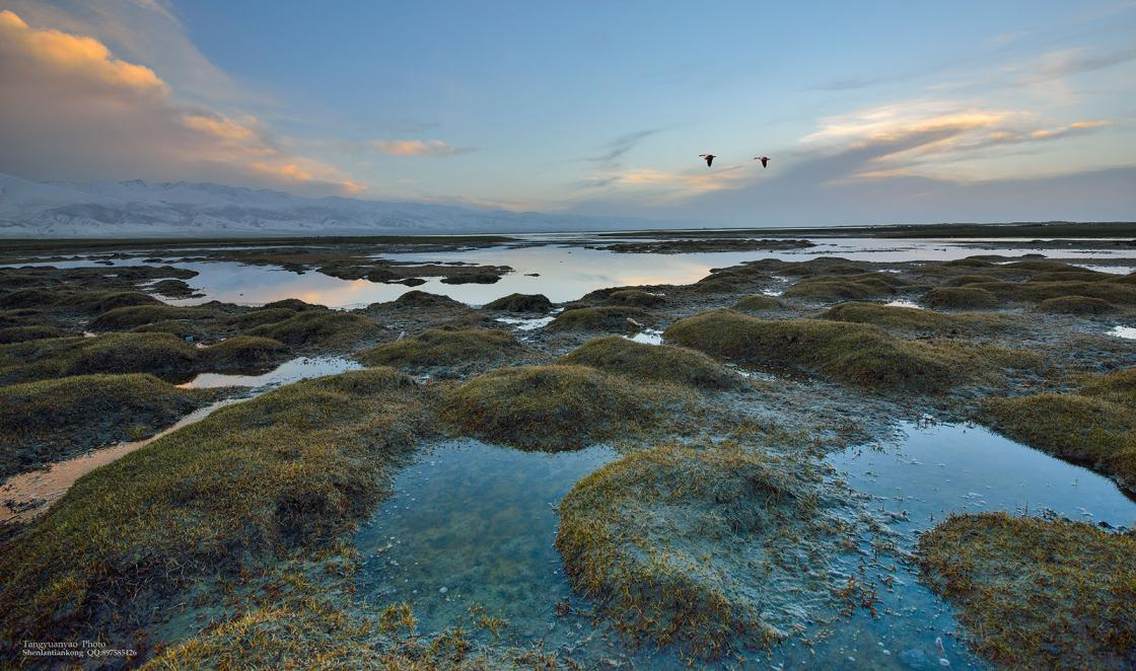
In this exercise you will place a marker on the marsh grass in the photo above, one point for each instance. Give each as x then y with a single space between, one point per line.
634 298
558 407
758 303
1037 593
290 471
160 354
845 287
45 421
917 320
444 347
1096 426
1076 305
663 363
520 303
967 297
14 334
853 353
125 318
326 328
242 354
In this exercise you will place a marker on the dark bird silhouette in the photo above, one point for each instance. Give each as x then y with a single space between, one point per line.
764 160
709 159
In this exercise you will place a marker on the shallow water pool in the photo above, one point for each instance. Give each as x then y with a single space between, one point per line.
294 370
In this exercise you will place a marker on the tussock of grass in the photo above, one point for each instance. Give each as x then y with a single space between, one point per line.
857 354
423 299
1095 427
963 280
664 363
520 303
914 319
758 303
14 334
1035 593
121 319
160 354
289 471
961 298
554 408
618 319
42 422
1076 305
243 354
328 328
263 316
444 347
682 546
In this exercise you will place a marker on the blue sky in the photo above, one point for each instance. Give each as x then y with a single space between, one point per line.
873 112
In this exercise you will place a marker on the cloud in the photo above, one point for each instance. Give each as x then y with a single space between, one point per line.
622 144
72 110
418 148
1068 62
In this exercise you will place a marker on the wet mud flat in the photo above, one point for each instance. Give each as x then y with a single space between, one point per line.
658 475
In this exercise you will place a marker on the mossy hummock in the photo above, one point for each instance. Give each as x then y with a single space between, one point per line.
664 363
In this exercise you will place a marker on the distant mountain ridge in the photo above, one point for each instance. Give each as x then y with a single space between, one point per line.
187 209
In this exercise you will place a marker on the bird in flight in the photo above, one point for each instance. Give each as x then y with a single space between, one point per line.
709 159
764 160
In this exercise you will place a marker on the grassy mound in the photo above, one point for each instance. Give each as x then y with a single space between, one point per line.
844 287
15 334
1076 305
444 347
664 363
287 472
125 318
520 303
961 298
42 422
612 318
634 298
328 328
160 354
1095 427
696 548
553 408
1035 593
242 354
913 319
758 303
423 299
262 316
853 353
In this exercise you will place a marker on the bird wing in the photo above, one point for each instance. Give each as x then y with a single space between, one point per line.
709 160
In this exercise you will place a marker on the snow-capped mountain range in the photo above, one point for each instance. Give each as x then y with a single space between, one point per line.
186 209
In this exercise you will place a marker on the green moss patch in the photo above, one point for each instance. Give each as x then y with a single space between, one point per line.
554 408
664 363
444 347
611 318
961 298
520 303
1035 593
857 354
1095 427
698 548
46 421
288 472
328 328
844 287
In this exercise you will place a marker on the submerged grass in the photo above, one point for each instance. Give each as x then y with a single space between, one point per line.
854 353
290 471
664 363
1037 593
555 408
1095 426
694 547
444 347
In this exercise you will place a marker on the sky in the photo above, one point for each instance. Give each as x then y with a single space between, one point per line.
872 112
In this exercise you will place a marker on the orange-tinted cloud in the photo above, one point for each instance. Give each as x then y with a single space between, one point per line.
73 111
417 148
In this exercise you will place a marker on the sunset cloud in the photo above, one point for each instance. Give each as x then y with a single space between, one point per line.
417 148
72 110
